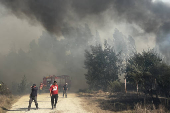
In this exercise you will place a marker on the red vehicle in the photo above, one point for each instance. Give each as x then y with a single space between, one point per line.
61 80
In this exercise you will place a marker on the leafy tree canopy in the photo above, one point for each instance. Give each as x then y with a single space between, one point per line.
102 66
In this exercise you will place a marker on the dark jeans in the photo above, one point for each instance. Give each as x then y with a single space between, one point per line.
65 92
35 100
52 99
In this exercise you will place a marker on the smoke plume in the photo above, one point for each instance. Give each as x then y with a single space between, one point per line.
56 16
54 13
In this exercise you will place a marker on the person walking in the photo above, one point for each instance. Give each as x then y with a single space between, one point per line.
41 88
54 94
33 96
65 88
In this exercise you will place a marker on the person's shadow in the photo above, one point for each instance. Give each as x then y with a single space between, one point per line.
22 109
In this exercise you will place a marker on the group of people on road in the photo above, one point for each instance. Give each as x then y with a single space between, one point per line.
53 94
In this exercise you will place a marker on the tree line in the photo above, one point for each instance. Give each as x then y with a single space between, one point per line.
146 70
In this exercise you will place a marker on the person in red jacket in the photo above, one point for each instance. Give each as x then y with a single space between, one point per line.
54 94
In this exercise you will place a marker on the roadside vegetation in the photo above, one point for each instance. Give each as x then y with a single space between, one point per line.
147 80
9 97
6 98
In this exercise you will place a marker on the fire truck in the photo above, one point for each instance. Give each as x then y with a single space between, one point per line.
61 80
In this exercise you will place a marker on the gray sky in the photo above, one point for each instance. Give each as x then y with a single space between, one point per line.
16 32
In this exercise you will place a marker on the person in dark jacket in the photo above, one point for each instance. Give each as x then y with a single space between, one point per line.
33 96
65 88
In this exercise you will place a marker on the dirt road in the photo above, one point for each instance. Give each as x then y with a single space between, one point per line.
72 104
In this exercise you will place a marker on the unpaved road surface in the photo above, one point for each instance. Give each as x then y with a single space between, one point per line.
72 104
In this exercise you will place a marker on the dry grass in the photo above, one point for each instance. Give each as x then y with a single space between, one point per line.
6 102
102 102
92 102
149 109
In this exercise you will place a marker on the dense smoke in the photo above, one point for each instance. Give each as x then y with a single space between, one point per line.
50 56
54 14
59 17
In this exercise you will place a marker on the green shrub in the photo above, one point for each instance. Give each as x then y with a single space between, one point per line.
114 86
22 86
85 90
4 90
89 91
